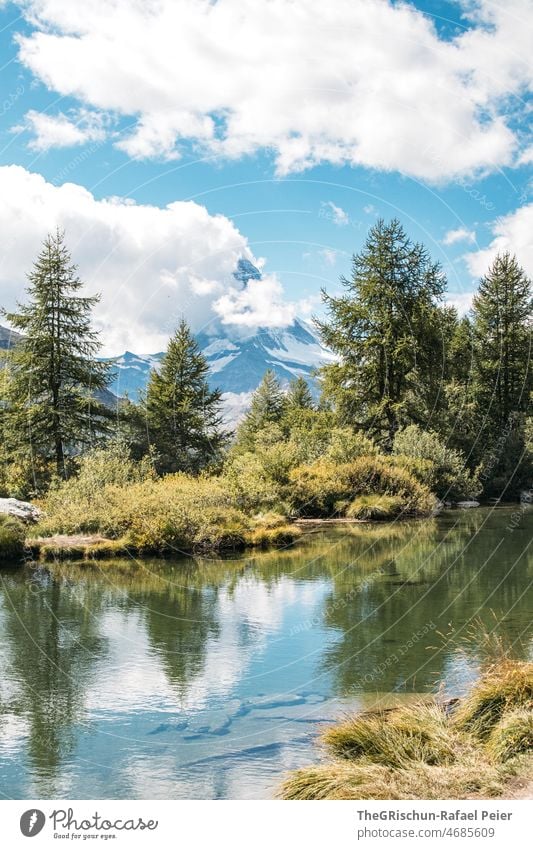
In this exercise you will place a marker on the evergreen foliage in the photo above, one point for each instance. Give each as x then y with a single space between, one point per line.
387 330
183 418
51 407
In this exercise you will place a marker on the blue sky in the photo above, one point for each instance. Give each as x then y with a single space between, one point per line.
290 142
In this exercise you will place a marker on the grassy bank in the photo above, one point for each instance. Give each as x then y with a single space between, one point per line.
150 515
473 748
116 505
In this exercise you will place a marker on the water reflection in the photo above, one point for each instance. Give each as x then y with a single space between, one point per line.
208 678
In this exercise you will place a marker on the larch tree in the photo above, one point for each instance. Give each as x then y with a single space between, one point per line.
386 331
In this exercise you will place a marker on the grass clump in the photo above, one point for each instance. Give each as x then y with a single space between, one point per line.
12 536
395 737
512 736
507 686
375 507
367 780
423 751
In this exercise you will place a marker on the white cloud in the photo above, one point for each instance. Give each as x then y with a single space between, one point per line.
329 255
367 83
526 157
511 233
462 301
260 303
151 265
459 235
59 131
335 213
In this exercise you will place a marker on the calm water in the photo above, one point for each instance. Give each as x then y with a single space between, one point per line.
210 679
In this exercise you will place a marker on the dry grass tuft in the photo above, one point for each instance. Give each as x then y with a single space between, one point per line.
417 732
419 752
506 686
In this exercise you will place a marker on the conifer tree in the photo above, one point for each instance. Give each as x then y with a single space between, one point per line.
503 376
183 414
267 408
299 395
52 409
502 322
386 330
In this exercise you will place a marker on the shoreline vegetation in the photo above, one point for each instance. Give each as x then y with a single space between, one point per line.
381 434
480 746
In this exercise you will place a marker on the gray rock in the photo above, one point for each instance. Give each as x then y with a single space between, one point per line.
467 505
22 510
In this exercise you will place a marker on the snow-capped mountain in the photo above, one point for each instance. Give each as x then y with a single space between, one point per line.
237 358
237 363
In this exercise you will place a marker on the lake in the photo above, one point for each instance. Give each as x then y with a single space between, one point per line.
203 678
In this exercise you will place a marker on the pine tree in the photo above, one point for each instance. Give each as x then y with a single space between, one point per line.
267 407
52 409
386 331
182 413
299 395
502 323
503 376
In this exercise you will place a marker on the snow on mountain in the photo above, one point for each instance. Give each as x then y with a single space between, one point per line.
237 363
237 358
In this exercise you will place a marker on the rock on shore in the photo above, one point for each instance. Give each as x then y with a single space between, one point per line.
23 510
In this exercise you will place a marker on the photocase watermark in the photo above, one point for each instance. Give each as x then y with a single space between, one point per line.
526 502
495 453
394 658
9 101
330 212
66 824
340 602
78 160
32 822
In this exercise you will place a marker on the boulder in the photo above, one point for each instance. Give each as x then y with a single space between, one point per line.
22 510
467 505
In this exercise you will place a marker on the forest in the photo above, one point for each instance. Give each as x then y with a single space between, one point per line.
421 408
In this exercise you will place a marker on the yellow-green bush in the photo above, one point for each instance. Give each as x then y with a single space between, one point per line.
423 751
325 488
174 513
12 534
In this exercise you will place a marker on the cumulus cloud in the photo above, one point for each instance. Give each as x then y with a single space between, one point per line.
151 265
259 304
368 83
511 233
335 213
461 234
53 131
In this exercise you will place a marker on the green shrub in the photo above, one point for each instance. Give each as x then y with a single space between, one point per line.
444 470
324 488
12 536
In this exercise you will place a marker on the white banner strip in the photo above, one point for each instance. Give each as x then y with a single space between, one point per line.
267 824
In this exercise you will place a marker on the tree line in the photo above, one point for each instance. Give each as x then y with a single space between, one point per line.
411 377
